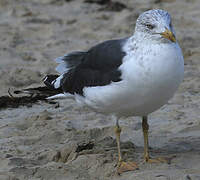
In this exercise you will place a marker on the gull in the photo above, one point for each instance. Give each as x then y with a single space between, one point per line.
132 76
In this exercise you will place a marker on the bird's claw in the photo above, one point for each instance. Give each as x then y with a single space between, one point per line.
126 166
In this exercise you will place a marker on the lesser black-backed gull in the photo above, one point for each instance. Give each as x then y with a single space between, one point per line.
133 76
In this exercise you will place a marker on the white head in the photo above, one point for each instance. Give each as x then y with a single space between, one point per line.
156 25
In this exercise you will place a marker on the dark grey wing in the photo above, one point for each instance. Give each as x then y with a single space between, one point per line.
105 56
98 67
69 61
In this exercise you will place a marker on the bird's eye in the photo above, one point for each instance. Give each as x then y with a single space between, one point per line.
150 26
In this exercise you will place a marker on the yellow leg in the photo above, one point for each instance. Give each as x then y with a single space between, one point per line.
117 134
145 128
147 158
121 165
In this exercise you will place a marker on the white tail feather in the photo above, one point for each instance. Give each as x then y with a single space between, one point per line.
56 82
57 96
61 96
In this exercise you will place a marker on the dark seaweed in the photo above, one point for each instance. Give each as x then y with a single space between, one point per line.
35 95
108 5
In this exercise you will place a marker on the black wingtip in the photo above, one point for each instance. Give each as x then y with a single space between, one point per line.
48 79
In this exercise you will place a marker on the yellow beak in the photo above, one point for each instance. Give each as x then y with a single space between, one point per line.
168 35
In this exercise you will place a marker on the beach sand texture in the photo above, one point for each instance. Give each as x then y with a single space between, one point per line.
68 142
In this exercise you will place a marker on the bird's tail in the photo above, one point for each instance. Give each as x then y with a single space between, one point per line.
49 81
43 91
53 88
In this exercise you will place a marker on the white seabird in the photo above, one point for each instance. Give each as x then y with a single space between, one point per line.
132 76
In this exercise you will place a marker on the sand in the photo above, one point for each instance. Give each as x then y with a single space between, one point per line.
68 142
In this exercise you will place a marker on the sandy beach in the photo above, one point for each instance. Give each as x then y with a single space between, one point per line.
63 141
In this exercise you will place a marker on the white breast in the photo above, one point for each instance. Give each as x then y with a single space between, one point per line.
150 77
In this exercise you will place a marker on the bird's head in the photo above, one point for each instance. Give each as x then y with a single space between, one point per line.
156 25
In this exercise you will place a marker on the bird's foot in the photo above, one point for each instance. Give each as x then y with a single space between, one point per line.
159 160
126 166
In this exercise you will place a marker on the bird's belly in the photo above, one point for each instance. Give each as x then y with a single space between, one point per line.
145 87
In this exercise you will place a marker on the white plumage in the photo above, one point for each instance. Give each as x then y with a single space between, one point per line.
150 76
